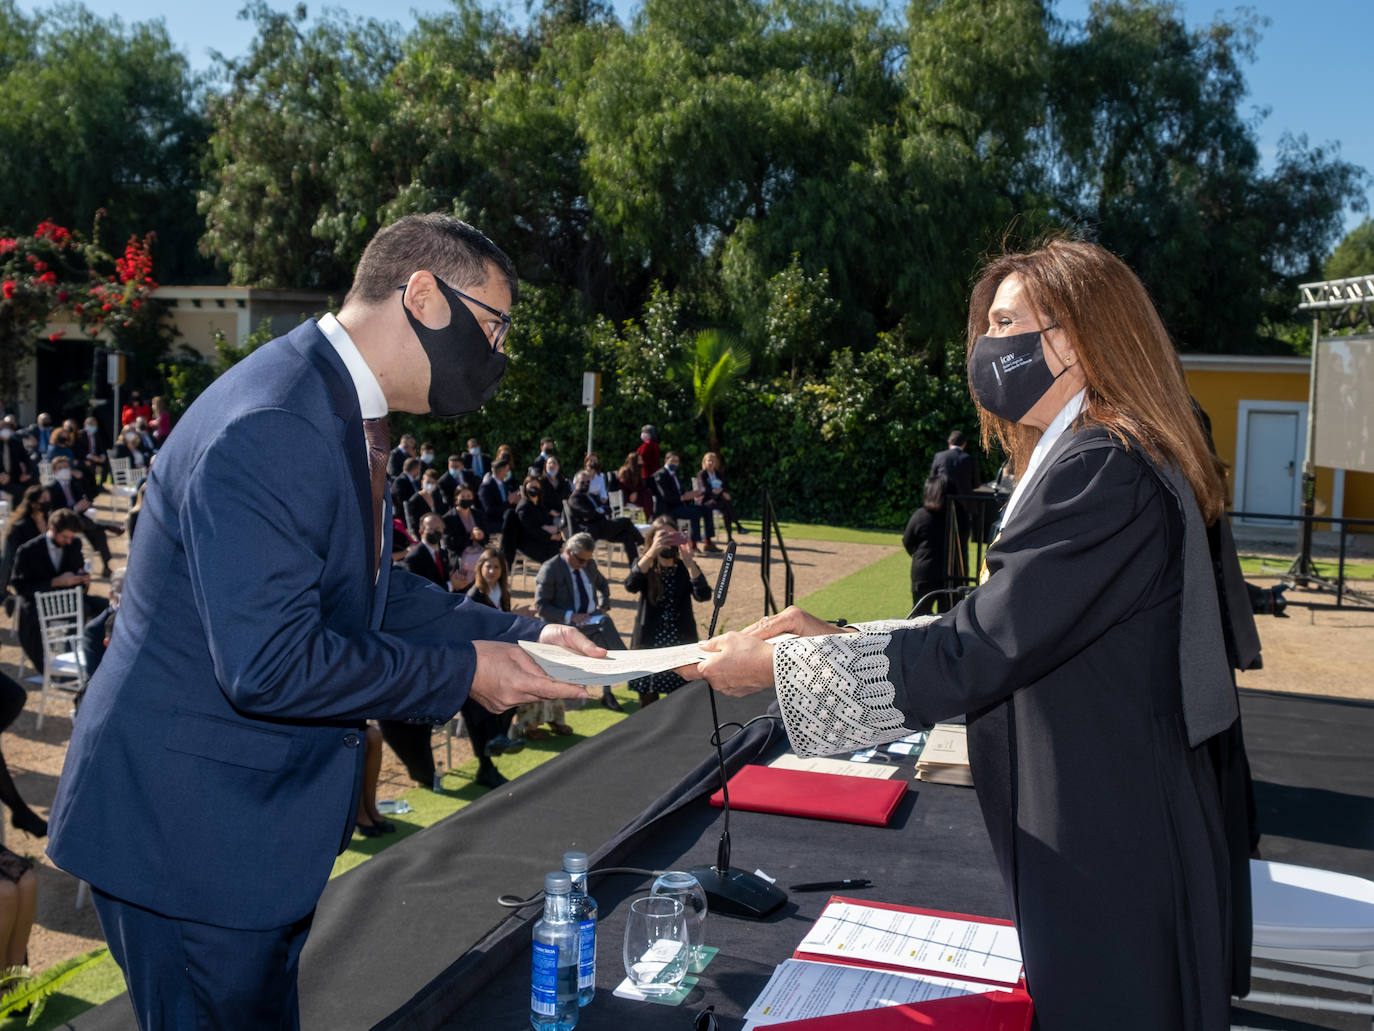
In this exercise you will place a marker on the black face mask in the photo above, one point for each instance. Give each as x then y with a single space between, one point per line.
1008 375
433 538
465 502
464 371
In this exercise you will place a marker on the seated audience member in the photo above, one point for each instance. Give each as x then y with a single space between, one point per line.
407 485
424 501
474 461
666 578
504 451
28 520
92 450
12 696
554 488
401 539
680 504
570 589
60 445
495 496
369 822
428 560
547 447
589 515
18 904
458 475
634 487
41 432
145 435
427 455
135 408
926 539
135 510
541 534
17 473
396 461
69 490
715 495
130 446
461 528
48 563
600 485
648 452
160 422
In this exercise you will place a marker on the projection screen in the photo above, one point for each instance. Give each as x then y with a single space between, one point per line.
1345 403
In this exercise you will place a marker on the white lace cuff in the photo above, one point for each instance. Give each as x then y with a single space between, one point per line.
835 693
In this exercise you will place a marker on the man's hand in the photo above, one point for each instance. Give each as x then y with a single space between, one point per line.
70 579
572 639
579 619
791 620
506 676
740 665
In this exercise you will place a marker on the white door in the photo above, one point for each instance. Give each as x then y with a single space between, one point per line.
1273 463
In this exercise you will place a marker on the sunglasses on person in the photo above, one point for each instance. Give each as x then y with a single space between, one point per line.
495 328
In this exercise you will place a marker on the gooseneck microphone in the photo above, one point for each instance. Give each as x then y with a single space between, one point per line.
731 892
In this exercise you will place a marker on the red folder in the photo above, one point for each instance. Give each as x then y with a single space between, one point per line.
820 796
990 1011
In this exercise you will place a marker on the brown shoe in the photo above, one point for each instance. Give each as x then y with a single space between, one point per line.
537 734
561 729
711 546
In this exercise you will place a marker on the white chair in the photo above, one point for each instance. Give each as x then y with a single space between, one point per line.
4 513
124 481
61 619
44 471
1316 919
521 565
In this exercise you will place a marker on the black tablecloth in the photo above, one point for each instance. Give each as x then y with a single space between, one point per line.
414 939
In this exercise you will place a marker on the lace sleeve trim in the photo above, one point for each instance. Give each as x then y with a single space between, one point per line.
835 693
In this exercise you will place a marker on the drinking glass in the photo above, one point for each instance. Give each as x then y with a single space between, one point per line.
687 889
656 946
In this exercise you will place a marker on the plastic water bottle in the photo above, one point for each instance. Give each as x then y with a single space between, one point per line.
553 973
584 913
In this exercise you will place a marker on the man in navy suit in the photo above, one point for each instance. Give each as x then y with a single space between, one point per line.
215 769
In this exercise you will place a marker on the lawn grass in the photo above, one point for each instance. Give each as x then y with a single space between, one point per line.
825 532
1272 565
878 591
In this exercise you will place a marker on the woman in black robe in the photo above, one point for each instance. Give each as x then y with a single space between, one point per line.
926 539
1089 661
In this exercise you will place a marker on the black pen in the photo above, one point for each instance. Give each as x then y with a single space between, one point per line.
852 882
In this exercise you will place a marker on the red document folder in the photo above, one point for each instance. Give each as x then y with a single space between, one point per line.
991 1011
821 796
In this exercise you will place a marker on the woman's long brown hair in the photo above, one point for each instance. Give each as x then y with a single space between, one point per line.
1136 388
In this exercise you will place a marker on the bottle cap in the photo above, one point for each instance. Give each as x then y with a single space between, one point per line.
575 862
557 883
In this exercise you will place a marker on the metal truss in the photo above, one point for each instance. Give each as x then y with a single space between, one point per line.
1332 294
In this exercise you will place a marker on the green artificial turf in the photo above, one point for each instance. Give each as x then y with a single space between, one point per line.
878 591
1271 566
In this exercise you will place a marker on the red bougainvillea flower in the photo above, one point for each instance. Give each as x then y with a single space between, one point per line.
7 245
56 336
62 296
79 309
48 278
40 266
8 289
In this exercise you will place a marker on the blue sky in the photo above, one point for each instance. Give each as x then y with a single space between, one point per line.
1310 68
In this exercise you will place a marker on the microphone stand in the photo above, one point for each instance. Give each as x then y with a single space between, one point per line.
731 892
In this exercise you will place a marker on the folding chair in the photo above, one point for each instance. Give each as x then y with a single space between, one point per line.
1317 920
61 620
124 481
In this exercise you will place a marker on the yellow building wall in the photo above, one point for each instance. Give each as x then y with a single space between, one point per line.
1220 393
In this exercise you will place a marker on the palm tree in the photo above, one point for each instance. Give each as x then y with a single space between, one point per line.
717 361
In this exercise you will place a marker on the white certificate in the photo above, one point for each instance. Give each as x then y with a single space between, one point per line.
934 944
615 668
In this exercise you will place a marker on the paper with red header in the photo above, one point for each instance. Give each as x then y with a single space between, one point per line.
935 944
799 990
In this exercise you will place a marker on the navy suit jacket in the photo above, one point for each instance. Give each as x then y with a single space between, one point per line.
214 769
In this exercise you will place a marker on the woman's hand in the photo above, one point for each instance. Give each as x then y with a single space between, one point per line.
739 666
791 620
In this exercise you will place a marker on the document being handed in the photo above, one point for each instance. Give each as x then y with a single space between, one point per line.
615 668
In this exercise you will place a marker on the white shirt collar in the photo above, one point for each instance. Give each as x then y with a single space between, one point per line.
1053 432
370 397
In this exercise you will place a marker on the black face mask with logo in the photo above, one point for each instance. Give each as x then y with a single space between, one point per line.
464 371
1008 375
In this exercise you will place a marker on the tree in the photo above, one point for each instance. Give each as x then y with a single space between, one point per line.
1354 255
716 363
98 115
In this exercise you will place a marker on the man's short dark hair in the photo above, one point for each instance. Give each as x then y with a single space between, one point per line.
501 463
446 246
411 465
455 458
64 519
956 438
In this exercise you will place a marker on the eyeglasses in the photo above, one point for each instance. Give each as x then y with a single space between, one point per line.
495 329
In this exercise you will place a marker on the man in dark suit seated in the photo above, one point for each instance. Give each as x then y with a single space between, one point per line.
495 498
680 504
91 447
407 485
474 461
70 489
960 471
49 563
588 516
457 476
396 461
16 471
429 560
570 589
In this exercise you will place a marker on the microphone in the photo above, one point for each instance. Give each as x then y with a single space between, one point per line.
731 892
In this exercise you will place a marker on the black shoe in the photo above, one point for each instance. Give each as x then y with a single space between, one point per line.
385 826
368 830
489 777
609 701
9 604
503 745
30 823
739 528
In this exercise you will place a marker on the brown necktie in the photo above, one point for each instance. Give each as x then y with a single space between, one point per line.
378 451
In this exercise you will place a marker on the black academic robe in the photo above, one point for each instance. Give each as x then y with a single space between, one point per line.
1105 821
